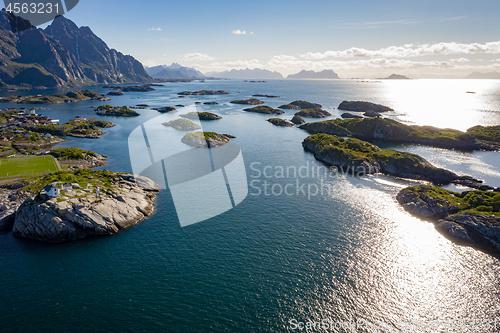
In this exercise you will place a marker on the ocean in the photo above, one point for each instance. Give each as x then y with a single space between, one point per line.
345 259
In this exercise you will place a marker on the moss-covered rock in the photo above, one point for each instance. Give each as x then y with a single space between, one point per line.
469 218
251 101
203 93
359 106
166 109
206 139
313 113
297 120
486 133
72 96
364 157
300 105
280 122
388 130
201 116
264 109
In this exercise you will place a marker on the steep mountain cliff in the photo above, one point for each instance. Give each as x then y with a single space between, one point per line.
62 54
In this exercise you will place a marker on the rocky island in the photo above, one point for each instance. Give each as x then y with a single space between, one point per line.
79 128
300 105
347 115
264 109
469 218
280 122
142 88
203 93
313 113
74 211
72 96
206 139
297 120
266 96
363 158
359 106
251 101
115 93
166 109
201 116
117 111
388 130
182 125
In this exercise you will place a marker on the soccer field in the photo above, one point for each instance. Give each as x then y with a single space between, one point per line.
27 166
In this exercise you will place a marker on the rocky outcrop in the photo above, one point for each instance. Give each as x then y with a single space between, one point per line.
203 93
264 109
289 107
251 101
300 105
89 163
458 216
297 120
10 201
206 139
421 204
359 106
266 96
80 213
476 230
182 125
372 114
347 115
201 116
280 122
313 113
389 130
367 158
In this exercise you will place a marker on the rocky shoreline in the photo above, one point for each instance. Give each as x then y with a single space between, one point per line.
363 158
124 201
464 218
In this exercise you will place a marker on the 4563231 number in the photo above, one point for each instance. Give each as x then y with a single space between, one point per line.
33 8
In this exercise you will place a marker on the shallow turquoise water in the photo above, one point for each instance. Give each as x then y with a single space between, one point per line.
348 255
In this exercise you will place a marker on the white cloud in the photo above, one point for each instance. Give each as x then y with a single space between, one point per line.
239 32
460 60
409 50
154 29
197 57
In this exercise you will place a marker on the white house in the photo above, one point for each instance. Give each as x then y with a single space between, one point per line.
52 190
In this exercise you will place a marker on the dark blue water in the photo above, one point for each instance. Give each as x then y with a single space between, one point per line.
348 254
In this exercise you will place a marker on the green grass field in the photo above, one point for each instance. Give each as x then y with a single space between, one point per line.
27 166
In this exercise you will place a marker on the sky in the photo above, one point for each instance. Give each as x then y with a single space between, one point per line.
355 38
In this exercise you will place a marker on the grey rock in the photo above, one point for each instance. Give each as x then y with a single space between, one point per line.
74 218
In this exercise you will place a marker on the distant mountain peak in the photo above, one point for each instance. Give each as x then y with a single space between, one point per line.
247 74
324 74
62 54
174 72
479 75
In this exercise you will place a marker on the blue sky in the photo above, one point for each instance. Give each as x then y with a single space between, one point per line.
291 35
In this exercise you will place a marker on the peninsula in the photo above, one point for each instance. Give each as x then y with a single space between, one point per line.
388 130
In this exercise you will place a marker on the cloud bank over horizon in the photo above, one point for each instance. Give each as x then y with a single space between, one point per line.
444 59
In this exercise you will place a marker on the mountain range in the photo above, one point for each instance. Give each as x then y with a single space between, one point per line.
62 54
174 72
247 74
325 74
478 75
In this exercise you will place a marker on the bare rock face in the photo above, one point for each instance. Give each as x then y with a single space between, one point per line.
9 203
423 205
471 229
80 213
